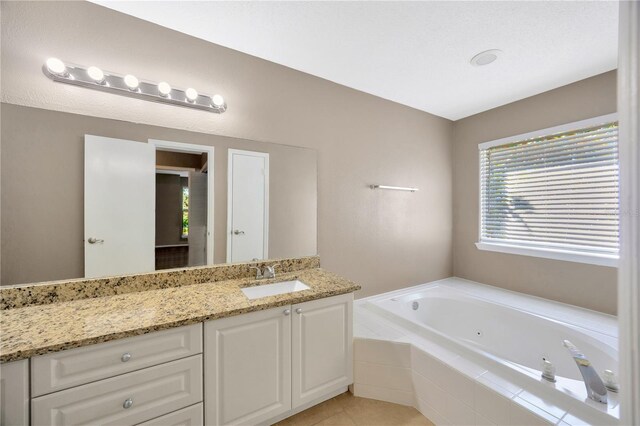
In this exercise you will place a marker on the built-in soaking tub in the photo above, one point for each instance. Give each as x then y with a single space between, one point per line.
503 336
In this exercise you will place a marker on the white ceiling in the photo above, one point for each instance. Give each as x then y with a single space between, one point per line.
414 53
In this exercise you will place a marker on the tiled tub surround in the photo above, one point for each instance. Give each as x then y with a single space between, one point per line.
40 329
21 295
401 359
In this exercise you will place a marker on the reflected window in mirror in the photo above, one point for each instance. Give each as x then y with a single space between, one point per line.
185 212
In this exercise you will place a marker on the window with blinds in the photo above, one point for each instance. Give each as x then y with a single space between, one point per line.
555 192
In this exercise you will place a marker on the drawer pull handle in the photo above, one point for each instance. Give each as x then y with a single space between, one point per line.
287 312
128 403
299 311
125 357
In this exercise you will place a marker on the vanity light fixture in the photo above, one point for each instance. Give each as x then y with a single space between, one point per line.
95 74
56 66
164 88
217 101
131 81
192 94
129 85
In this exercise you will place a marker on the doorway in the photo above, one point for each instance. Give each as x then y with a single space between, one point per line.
184 205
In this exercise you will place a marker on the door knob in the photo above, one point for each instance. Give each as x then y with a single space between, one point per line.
238 232
287 312
93 240
298 310
127 403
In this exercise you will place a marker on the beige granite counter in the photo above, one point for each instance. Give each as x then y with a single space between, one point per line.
39 329
23 295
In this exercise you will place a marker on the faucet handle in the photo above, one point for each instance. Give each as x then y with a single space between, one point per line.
269 271
259 272
272 268
610 381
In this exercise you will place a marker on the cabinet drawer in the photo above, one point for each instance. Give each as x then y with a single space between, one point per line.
65 369
124 400
190 416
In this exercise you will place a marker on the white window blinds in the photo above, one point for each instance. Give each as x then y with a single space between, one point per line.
554 192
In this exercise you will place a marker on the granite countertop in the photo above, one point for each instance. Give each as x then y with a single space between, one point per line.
37 330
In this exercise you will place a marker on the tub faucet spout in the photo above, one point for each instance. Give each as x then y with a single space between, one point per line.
595 387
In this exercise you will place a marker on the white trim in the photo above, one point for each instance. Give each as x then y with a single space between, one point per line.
265 155
550 253
210 150
629 272
608 118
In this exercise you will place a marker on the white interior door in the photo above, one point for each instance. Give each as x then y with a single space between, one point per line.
248 206
197 218
119 206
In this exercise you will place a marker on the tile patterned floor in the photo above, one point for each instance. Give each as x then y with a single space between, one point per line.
349 410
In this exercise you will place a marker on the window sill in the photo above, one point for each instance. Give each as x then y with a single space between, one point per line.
556 254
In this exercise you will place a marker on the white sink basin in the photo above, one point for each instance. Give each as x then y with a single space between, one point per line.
258 291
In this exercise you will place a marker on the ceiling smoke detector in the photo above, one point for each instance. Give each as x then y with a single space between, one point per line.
486 57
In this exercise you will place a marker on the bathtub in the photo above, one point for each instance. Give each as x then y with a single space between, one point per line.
509 334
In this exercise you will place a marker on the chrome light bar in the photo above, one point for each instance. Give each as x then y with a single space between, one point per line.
128 85
395 188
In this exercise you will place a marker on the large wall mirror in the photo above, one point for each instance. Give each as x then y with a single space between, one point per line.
92 197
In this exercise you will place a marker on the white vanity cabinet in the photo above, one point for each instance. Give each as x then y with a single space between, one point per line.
122 382
66 369
14 393
322 359
266 365
247 367
252 368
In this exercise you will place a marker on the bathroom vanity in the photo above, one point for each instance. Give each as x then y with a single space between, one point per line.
184 354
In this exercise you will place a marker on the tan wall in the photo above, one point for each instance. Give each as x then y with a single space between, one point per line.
590 286
383 240
43 184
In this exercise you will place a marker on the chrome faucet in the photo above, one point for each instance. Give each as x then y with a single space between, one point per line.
269 271
266 272
595 387
259 275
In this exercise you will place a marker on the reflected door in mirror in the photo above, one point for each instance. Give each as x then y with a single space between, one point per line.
119 204
248 206
197 219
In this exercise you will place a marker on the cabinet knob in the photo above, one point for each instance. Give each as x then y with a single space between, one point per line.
298 310
125 357
127 403
287 312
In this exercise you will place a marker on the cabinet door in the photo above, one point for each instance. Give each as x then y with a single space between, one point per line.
248 367
14 393
322 347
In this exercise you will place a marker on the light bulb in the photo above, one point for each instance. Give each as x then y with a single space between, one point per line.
191 93
131 81
217 101
164 88
96 74
56 66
